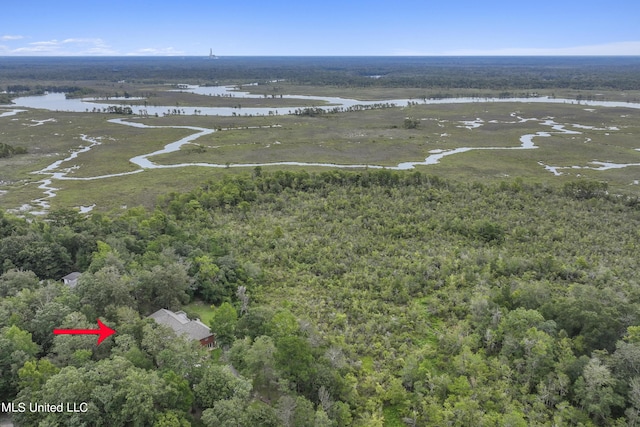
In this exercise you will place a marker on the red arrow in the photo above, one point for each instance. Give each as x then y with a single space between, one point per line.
103 331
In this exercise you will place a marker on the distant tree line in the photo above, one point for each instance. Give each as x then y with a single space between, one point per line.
439 73
71 91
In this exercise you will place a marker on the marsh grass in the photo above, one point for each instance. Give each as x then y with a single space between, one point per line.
123 143
182 98
374 137
141 189
374 93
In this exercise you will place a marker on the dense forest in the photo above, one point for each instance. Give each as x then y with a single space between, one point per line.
363 298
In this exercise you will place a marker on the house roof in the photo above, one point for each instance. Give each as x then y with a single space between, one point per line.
181 324
72 276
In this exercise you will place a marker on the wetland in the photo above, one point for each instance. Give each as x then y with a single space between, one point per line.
302 131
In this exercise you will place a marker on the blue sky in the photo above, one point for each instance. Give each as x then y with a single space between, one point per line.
395 27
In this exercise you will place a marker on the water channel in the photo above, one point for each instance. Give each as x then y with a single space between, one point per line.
59 102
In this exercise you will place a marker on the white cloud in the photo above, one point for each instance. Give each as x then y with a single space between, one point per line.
80 46
10 37
46 43
150 51
82 41
617 48
91 46
66 47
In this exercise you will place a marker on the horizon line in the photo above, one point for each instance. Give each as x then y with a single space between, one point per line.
514 55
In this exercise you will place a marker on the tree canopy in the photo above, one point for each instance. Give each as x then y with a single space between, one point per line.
339 299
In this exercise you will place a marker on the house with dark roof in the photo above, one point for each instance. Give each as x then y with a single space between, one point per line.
182 325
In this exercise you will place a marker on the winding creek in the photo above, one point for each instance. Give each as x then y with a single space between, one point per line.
58 102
